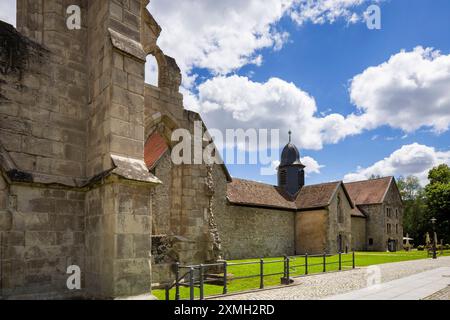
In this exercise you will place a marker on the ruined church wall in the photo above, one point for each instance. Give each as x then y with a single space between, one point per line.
43 235
43 91
118 239
248 232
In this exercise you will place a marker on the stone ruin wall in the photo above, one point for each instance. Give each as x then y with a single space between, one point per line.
72 189
190 194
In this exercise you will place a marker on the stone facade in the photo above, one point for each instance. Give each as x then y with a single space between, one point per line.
76 119
327 229
248 232
379 216
74 188
359 225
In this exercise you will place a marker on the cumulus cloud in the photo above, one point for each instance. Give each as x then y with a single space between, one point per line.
222 36
8 11
326 11
311 166
409 91
238 102
414 159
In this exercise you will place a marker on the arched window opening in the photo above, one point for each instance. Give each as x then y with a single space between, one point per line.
151 71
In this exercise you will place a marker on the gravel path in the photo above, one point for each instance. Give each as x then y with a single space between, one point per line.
320 286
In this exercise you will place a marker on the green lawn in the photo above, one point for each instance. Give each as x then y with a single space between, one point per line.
315 266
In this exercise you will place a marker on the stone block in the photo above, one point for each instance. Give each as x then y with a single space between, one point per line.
40 238
124 244
142 245
125 146
37 221
135 67
133 224
119 78
136 84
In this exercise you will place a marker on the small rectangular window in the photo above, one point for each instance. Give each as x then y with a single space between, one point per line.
370 242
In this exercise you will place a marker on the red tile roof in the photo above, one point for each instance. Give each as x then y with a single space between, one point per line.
316 196
154 149
244 192
369 191
250 193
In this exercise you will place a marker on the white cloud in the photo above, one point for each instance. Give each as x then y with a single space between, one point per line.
409 91
238 102
414 159
222 36
326 11
311 166
8 11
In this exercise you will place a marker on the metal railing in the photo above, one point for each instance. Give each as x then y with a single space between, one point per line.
190 280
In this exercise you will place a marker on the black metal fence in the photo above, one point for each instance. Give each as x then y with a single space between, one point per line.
195 276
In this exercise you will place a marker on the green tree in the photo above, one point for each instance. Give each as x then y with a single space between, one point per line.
415 219
438 199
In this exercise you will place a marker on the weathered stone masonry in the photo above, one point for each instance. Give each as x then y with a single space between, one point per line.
74 186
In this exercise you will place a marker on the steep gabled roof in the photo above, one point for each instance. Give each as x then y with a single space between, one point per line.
316 196
155 147
251 193
369 191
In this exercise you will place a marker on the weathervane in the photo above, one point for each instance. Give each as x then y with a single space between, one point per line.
290 134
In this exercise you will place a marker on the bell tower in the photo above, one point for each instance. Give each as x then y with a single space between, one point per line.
291 172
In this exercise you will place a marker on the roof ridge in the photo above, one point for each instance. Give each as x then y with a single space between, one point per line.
368 180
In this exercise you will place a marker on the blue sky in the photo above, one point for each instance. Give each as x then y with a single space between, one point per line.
359 101
321 59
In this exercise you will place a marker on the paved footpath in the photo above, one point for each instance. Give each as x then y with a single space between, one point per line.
321 286
415 287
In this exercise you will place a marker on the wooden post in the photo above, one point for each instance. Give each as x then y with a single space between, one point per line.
340 261
324 262
353 259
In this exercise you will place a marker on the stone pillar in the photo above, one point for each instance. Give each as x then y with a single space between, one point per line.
118 223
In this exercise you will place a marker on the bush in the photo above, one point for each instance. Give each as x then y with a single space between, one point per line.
421 248
447 247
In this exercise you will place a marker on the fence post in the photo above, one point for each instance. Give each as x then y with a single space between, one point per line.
261 274
177 281
288 278
353 259
324 262
191 284
225 276
167 292
340 261
306 263
202 294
